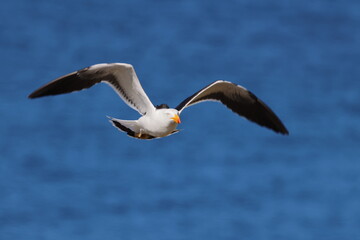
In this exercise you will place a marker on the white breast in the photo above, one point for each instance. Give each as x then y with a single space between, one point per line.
157 124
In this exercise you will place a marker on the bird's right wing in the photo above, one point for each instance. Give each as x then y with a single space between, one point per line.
240 101
120 76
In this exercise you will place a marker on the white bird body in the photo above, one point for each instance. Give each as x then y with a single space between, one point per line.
160 121
157 124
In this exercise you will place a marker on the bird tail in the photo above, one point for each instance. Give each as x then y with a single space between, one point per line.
129 126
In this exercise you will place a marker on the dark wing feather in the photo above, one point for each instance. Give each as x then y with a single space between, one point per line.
240 101
66 84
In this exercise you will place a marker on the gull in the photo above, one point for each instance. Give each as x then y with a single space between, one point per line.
160 121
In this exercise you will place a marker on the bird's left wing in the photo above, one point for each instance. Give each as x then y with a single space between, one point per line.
120 76
240 101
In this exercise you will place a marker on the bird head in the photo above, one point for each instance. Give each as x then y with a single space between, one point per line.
171 114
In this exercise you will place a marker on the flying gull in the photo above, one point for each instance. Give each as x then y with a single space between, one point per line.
160 121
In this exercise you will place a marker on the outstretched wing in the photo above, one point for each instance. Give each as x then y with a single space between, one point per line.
120 76
240 101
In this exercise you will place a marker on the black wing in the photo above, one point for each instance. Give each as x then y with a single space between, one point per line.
240 101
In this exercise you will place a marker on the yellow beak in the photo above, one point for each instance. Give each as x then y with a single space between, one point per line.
176 119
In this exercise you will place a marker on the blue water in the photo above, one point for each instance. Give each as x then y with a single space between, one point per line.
66 173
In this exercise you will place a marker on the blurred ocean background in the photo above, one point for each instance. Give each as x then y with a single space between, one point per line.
66 173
